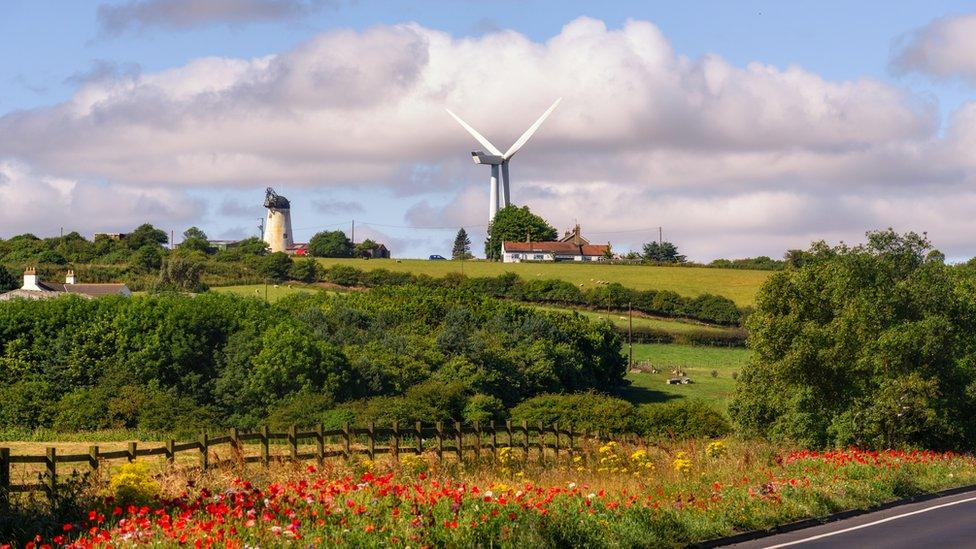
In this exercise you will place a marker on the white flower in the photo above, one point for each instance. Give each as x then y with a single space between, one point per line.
489 494
590 495
572 485
276 530
519 494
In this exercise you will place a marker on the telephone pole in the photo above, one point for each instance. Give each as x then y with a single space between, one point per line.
660 236
353 236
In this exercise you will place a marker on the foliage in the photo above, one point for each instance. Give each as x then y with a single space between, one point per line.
179 363
180 273
145 235
133 484
195 240
710 308
686 418
276 266
8 281
305 270
870 345
662 252
584 412
330 244
761 263
514 223
462 245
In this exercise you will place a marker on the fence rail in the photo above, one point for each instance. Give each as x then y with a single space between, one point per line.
462 442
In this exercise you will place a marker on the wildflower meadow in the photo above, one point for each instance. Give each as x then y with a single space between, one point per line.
606 495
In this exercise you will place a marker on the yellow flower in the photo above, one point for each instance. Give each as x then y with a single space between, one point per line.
716 449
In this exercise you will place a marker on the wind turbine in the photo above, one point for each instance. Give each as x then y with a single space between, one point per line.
498 159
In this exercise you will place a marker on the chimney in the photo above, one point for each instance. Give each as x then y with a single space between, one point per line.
70 277
30 280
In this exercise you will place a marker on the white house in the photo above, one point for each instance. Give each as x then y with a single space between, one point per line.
33 288
572 247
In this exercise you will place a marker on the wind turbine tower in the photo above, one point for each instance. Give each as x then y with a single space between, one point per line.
499 161
277 225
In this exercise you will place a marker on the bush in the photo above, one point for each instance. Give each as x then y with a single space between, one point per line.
82 410
484 408
27 403
303 409
133 484
582 411
680 419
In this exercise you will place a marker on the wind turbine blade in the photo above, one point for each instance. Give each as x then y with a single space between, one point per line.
528 133
474 133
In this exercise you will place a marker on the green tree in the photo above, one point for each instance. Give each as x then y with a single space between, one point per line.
276 266
330 244
292 360
181 274
145 234
663 252
195 239
305 270
147 259
366 247
462 245
514 223
7 280
870 345
252 246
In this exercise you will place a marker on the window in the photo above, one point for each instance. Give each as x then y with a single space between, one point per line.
539 257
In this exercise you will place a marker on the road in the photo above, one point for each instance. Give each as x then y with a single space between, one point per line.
943 522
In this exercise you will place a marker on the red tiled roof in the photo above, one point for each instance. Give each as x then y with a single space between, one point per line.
555 248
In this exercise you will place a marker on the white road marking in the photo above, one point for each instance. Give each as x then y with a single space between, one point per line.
852 528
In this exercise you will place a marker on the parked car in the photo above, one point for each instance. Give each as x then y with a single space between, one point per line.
437 258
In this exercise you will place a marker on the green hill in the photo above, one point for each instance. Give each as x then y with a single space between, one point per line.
738 285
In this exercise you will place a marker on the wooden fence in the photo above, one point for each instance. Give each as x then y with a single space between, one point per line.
457 441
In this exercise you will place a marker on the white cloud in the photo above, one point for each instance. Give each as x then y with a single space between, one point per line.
732 160
944 48
42 204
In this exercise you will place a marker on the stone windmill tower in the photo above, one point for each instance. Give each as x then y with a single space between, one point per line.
277 226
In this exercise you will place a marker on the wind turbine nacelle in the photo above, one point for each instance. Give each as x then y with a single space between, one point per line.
479 157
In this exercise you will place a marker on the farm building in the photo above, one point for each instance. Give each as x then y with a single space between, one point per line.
572 247
33 288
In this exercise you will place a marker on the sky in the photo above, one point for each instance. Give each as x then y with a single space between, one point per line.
739 128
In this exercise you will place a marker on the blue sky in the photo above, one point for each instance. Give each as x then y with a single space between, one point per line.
719 186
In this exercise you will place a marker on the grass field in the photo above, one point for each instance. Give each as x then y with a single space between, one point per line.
674 326
736 284
696 362
274 292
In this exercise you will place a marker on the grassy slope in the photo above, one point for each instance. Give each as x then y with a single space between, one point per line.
676 326
274 291
736 284
696 362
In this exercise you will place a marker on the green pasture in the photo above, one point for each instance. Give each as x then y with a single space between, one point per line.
697 362
619 319
273 292
738 285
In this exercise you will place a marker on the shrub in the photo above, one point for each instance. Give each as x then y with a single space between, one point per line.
303 409
27 403
82 410
133 484
483 408
343 275
583 411
686 418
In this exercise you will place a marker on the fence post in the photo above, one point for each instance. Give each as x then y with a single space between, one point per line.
494 439
320 442
572 433
525 440
395 449
372 440
542 443
477 440
440 440
204 451
52 471
93 458
420 438
132 452
511 437
170 451
346 441
555 430
460 440
235 443
4 477
293 442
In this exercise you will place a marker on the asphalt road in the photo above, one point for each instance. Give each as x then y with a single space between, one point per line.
944 522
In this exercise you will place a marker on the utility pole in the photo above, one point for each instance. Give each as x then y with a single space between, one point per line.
353 237
660 236
630 332
172 239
